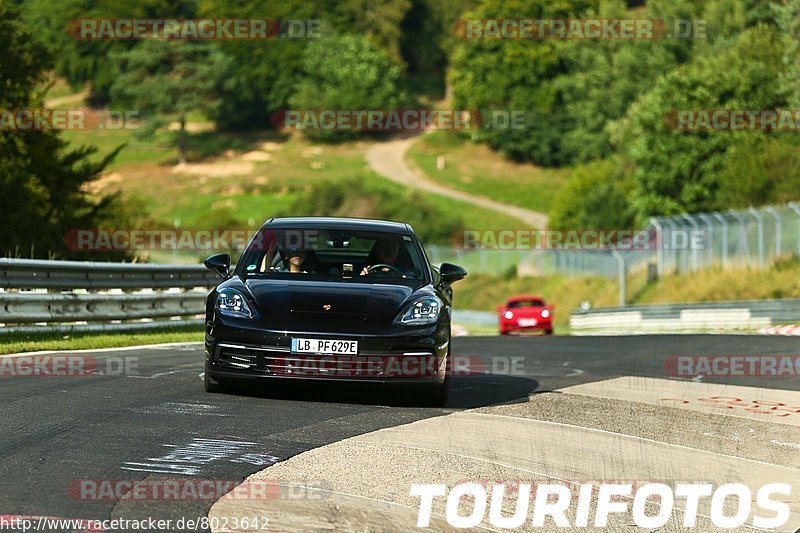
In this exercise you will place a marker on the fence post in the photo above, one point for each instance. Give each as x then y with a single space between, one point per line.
621 275
742 236
710 223
796 208
760 221
659 246
777 216
696 226
724 223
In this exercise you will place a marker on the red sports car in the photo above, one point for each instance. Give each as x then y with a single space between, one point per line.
525 313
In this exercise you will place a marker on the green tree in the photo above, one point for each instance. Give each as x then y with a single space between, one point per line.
91 61
167 79
379 20
596 196
42 181
345 72
789 19
761 171
262 74
679 171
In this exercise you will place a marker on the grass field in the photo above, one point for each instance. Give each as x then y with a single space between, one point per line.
29 342
475 169
782 280
236 181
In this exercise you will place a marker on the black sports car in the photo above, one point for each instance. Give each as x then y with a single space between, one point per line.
317 298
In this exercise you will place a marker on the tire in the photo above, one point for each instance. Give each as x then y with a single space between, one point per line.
548 331
435 396
438 395
210 385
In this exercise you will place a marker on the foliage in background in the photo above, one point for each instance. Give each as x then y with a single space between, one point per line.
91 61
345 72
167 79
595 197
41 178
357 198
678 171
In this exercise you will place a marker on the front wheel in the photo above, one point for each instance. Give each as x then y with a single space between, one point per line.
436 395
210 385
548 331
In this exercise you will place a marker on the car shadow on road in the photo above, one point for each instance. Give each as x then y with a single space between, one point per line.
466 392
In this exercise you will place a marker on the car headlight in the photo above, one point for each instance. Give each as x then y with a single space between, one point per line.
545 313
421 312
232 303
508 315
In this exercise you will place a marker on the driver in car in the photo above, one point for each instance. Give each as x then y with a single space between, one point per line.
385 252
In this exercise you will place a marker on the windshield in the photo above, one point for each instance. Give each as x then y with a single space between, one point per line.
335 255
525 303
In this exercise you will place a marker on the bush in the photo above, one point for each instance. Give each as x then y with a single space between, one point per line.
595 197
760 172
345 72
680 171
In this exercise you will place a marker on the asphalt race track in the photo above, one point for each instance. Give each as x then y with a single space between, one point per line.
154 421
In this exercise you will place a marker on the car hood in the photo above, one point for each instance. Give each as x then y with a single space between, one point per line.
306 304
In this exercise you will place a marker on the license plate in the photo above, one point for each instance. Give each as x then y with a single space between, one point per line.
524 322
325 346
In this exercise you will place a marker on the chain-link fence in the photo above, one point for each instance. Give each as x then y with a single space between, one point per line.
731 239
751 238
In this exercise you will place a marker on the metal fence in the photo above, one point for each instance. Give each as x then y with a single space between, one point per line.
752 238
85 296
731 239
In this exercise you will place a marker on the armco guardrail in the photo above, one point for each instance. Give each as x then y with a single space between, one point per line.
37 274
744 315
84 296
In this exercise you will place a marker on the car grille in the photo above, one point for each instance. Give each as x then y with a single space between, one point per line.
279 361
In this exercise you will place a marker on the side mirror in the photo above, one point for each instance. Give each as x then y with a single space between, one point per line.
451 273
219 263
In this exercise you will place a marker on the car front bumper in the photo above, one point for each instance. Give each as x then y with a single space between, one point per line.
235 350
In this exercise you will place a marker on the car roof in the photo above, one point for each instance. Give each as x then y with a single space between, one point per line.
364 224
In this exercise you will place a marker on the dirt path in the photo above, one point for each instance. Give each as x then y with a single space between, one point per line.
78 98
388 159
